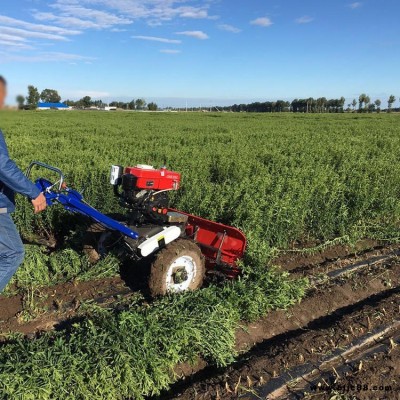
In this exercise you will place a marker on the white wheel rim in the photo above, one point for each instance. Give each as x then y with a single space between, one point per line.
184 264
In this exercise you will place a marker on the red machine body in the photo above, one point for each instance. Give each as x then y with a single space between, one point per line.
222 245
149 178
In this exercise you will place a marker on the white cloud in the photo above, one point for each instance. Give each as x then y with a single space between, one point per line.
263 21
229 28
31 34
81 17
13 45
355 5
18 35
194 34
150 10
42 57
304 20
8 21
170 51
190 12
59 20
14 42
67 21
118 30
11 37
157 39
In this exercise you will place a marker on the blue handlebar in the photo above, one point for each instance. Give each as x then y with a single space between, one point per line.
73 201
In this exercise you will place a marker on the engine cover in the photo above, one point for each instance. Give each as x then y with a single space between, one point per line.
149 178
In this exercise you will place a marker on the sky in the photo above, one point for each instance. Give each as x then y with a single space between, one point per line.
204 52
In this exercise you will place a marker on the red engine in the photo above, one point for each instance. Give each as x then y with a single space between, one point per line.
144 191
148 178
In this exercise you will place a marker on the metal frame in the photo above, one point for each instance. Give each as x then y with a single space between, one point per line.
50 167
73 201
221 245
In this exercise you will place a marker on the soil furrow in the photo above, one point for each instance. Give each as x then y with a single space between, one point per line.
61 302
348 307
296 381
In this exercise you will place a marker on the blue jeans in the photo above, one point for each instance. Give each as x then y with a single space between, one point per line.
11 250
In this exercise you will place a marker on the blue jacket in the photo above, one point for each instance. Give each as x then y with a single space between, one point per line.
12 180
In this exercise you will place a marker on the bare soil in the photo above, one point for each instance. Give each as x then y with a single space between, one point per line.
56 304
331 317
274 363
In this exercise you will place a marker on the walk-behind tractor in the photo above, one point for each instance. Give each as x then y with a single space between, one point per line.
181 247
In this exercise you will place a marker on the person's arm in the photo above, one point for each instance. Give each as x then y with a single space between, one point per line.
15 179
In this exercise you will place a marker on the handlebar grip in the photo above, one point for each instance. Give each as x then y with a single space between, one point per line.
49 167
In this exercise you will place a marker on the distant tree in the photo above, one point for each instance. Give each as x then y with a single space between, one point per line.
371 107
70 103
361 101
119 104
378 105
21 101
321 104
152 106
98 103
354 103
309 102
50 96
342 101
140 104
391 101
33 97
132 105
367 100
85 102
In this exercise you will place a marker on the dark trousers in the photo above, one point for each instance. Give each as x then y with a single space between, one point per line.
11 249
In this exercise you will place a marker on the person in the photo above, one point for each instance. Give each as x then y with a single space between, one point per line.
12 180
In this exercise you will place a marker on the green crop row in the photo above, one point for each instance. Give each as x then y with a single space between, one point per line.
285 180
132 353
41 268
282 179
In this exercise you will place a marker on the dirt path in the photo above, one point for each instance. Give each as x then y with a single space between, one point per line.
274 369
332 316
56 304
325 374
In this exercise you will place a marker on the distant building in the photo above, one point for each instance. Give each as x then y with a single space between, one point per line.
53 106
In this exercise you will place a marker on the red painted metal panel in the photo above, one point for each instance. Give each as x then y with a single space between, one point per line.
155 179
222 245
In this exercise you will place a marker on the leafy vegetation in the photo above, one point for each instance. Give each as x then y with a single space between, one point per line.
281 178
132 353
285 180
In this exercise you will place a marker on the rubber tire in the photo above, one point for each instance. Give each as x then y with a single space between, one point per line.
159 268
91 241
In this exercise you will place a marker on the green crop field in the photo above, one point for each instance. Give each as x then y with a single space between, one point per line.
280 178
288 181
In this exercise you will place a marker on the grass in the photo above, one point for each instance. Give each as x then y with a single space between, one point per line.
281 178
285 180
132 353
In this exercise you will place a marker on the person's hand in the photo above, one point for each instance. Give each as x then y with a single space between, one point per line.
39 203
